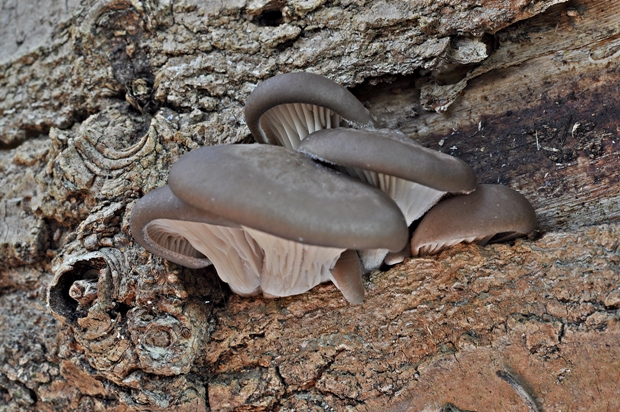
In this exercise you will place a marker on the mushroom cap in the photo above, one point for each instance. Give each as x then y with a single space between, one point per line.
163 204
284 193
392 153
302 87
491 212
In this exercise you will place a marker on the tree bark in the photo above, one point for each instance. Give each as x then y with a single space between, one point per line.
98 99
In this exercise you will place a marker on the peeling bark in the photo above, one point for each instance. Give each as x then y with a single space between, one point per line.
98 100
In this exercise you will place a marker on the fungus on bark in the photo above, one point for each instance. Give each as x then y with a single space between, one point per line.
301 215
414 176
166 226
284 109
492 213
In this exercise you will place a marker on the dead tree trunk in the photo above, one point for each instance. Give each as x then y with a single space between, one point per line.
98 99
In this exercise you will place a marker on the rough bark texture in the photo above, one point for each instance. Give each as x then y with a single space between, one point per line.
98 99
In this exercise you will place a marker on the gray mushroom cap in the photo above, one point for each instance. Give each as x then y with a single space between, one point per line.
284 193
163 204
391 153
414 176
304 88
491 213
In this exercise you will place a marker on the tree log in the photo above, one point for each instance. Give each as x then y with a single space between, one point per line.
99 99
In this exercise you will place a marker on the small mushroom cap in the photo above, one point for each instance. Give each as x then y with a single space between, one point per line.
163 204
284 193
391 153
301 87
490 211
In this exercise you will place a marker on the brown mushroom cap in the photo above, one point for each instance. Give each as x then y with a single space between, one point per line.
161 204
391 153
490 213
281 192
306 96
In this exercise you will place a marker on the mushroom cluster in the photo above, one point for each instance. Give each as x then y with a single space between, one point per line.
327 196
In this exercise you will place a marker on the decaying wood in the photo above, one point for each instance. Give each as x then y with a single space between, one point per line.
100 99
440 329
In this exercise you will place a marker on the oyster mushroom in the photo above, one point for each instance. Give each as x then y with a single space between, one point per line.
492 213
301 214
284 109
166 226
414 176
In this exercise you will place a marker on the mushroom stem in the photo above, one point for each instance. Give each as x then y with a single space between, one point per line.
235 255
347 276
291 268
394 258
